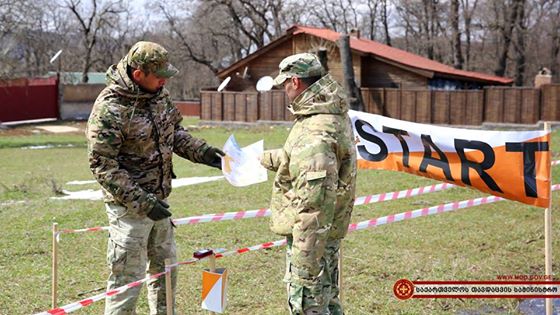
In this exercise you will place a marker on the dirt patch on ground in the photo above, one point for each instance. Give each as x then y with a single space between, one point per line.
73 127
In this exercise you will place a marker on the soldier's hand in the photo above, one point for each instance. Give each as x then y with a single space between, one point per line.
159 211
213 157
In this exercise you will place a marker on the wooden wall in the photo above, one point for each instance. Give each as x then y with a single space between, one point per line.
466 107
379 74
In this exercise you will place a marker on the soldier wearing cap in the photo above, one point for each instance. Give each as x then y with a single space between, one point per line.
313 191
132 133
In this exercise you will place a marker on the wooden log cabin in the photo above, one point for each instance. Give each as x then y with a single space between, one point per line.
375 65
393 82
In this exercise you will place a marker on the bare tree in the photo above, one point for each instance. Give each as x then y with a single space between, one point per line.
338 15
553 30
505 15
371 18
456 35
519 44
194 46
385 21
423 21
468 11
92 21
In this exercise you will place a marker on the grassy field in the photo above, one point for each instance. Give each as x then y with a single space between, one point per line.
479 243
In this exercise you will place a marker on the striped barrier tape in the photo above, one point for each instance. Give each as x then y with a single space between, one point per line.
265 212
452 206
86 302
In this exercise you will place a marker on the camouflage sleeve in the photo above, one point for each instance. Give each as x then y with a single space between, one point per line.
314 167
271 159
104 137
185 145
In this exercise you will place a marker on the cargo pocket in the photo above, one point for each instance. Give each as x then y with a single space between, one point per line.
127 261
116 257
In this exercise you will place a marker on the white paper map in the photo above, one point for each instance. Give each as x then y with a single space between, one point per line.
241 166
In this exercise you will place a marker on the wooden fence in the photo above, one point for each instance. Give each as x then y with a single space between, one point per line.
244 106
466 107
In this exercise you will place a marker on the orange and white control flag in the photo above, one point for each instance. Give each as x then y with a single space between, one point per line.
214 290
511 164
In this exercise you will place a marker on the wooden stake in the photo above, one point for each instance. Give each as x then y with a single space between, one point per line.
548 233
54 267
340 273
168 288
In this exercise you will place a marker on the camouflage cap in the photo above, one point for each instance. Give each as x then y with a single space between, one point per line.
302 65
152 58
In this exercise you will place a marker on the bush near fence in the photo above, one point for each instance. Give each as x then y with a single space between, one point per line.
513 105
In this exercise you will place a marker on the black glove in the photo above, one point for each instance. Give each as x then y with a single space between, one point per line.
213 157
159 211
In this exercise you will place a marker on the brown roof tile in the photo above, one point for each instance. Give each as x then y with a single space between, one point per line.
397 55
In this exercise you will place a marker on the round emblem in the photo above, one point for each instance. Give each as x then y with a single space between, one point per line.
403 289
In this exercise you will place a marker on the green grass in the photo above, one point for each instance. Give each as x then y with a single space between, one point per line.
479 243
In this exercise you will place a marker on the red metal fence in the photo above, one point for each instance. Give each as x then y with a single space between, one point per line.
27 99
466 107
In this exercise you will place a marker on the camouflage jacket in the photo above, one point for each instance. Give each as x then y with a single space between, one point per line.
132 135
316 168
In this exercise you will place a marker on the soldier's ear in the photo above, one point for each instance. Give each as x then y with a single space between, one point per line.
137 75
296 82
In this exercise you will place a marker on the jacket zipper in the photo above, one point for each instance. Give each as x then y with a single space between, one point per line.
156 139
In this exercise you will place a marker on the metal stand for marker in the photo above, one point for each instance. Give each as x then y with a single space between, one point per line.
54 267
168 288
548 236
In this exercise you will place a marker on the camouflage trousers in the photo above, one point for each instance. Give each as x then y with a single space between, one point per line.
310 293
137 245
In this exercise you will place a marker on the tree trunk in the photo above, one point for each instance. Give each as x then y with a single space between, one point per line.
521 30
456 35
385 23
507 30
353 95
467 20
553 64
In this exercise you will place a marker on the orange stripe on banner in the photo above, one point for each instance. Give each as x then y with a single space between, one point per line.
509 177
209 279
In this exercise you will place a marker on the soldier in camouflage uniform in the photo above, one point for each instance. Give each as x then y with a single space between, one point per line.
132 133
313 192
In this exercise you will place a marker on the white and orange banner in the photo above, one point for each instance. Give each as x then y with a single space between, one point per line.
510 164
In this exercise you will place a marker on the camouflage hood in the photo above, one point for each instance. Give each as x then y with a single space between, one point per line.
117 79
325 96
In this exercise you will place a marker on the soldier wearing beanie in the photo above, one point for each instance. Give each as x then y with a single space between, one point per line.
132 133
314 188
